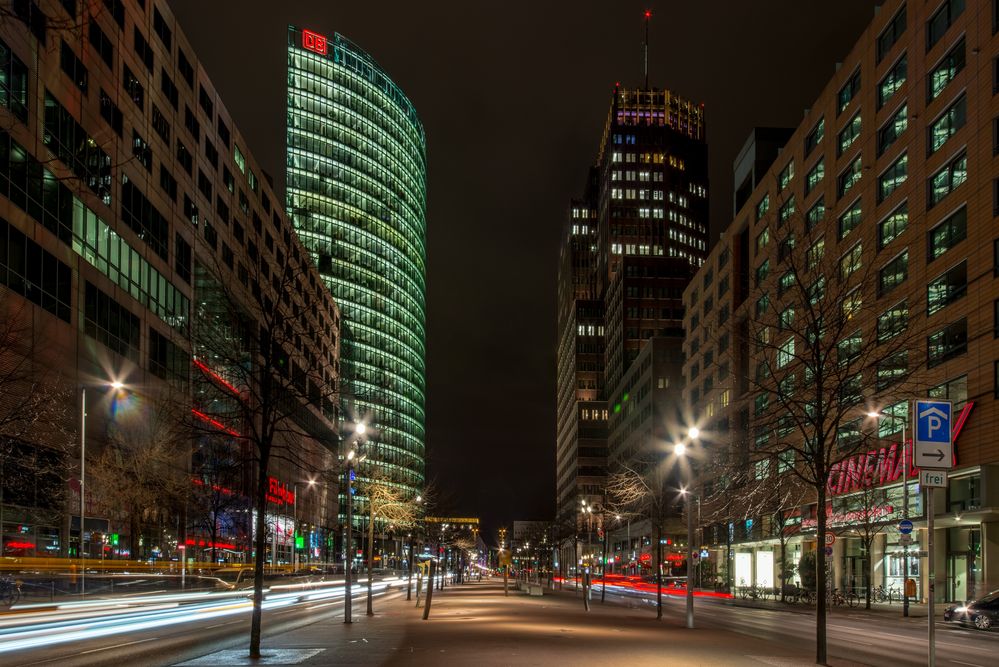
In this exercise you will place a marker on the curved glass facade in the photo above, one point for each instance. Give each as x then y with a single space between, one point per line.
356 190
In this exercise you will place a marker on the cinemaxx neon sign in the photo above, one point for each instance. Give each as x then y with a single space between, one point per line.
881 466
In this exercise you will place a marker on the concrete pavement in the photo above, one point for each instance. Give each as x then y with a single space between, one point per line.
476 624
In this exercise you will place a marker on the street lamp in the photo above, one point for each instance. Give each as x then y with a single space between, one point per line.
905 501
117 386
359 429
680 451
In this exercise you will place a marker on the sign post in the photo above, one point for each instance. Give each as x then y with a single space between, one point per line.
934 449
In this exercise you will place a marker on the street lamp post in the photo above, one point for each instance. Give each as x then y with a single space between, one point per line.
348 602
905 504
83 469
680 450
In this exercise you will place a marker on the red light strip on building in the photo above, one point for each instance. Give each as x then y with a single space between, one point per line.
214 422
207 543
215 376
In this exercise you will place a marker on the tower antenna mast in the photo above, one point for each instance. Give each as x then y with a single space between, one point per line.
648 15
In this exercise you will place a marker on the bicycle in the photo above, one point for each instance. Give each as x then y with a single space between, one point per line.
10 591
835 598
852 599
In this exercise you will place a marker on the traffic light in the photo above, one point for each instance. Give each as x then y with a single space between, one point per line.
299 541
114 539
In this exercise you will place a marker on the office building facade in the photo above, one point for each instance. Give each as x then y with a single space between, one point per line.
356 190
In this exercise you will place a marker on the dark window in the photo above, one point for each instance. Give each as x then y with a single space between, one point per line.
205 186
70 7
101 44
33 189
947 288
28 270
33 17
185 69
222 209
947 343
166 360
227 179
169 89
142 152
168 183
77 149
117 10
211 153
847 92
73 68
223 132
111 323
161 29
161 125
211 236
143 219
205 100
182 259
995 318
185 158
142 49
192 124
132 86
937 26
947 234
891 33
227 256
13 83
111 113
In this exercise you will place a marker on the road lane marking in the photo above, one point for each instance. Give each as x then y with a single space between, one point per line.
108 648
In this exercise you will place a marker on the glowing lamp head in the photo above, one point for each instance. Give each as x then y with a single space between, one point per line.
648 14
873 415
360 429
694 432
117 385
680 449
351 454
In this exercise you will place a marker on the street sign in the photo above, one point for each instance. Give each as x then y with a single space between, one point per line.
830 539
932 445
905 539
905 526
829 551
933 478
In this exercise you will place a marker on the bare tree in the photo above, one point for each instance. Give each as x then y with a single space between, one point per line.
264 358
646 491
216 475
140 474
821 337
390 505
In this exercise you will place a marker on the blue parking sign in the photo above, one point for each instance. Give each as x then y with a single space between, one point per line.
932 442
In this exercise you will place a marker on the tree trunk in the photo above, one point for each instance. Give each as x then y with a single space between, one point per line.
820 576
659 573
371 551
783 565
215 532
869 567
260 544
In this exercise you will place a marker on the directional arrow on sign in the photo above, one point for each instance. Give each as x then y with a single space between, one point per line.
939 455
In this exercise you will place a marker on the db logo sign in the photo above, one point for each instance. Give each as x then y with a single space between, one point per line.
314 42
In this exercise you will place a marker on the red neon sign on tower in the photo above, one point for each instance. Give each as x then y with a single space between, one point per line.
313 41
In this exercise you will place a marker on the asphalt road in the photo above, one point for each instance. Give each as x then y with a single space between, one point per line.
855 637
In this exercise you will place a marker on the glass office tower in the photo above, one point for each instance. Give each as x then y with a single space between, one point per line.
356 190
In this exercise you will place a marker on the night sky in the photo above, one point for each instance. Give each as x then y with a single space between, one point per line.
513 97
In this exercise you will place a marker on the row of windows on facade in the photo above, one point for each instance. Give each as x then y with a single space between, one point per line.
654 195
594 414
649 158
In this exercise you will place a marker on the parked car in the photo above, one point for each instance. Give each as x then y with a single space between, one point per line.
983 613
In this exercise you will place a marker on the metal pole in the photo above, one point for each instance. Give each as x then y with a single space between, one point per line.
690 560
931 560
83 464
349 555
294 531
905 515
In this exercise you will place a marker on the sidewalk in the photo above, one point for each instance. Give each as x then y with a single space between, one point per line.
475 624
877 610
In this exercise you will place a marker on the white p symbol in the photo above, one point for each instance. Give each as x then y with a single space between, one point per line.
934 423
